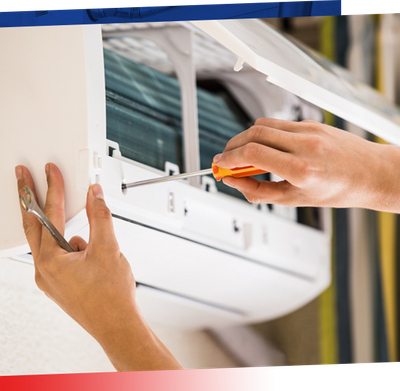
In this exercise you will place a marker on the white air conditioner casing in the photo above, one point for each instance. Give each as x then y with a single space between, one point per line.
200 258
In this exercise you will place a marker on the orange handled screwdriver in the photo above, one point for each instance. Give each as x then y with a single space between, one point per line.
217 172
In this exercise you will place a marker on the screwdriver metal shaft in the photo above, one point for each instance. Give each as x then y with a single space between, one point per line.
168 178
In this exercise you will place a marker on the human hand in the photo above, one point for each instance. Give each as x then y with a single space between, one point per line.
321 166
95 284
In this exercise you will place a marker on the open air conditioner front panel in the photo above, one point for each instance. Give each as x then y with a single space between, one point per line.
208 257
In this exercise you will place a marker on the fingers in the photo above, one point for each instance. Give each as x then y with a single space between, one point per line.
78 243
54 207
278 134
31 224
100 220
287 126
274 138
258 192
269 159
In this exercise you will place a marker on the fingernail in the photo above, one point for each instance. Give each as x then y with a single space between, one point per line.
217 158
47 168
18 172
98 192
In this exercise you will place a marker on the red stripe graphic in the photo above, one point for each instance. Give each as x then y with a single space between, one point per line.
193 380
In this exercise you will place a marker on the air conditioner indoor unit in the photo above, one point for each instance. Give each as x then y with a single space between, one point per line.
130 102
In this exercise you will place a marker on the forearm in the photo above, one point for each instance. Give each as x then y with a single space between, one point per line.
131 345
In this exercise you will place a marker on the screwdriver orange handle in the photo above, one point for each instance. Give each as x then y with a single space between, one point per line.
239 172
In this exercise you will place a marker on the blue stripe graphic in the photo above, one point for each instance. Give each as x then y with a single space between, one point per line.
163 12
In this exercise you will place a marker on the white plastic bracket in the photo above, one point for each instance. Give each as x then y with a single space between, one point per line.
239 64
115 146
208 184
171 168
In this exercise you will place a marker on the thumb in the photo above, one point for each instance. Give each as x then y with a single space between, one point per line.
100 219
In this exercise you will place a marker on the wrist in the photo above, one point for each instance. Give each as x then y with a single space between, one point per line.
385 179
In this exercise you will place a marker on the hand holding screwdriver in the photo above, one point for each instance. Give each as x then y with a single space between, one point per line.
320 166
